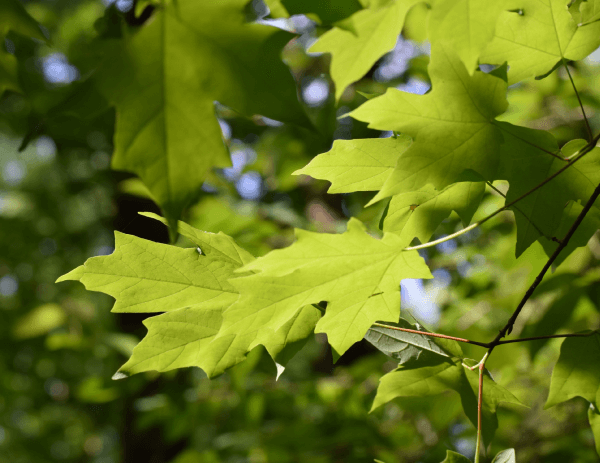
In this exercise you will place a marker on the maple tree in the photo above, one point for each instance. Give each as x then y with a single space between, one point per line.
217 302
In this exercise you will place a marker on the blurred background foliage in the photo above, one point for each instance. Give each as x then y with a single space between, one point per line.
59 204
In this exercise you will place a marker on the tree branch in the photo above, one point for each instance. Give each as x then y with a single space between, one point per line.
509 325
587 122
434 335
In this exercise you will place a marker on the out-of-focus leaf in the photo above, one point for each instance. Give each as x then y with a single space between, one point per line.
577 372
594 418
13 17
8 73
91 390
39 321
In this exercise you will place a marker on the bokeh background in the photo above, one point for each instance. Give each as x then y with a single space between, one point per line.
60 345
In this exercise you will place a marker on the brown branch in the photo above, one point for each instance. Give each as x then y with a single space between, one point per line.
509 325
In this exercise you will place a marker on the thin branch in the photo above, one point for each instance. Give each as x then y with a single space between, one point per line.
508 327
551 336
532 144
587 122
586 149
480 406
434 335
518 210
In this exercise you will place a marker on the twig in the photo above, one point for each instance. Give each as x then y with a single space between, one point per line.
587 123
586 149
551 336
508 327
480 406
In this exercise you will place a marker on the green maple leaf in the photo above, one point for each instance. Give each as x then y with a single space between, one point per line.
144 276
164 81
357 165
577 372
419 213
452 127
467 26
534 42
360 40
405 346
345 270
435 374
13 17
453 457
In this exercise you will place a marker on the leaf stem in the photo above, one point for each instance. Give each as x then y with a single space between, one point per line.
480 406
509 325
587 122
550 336
586 149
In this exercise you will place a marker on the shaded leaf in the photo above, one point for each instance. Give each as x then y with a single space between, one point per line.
577 372
14 17
594 418
404 346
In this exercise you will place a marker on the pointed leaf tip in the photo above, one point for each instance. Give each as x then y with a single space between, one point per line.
119 375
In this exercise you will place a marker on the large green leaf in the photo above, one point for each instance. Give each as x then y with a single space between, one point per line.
577 372
164 81
534 40
436 374
419 213
453 126
357 165
358 275
360 40
466 25
405 346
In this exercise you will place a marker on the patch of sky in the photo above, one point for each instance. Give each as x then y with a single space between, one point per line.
271 122
240 158
250 186
103 250
14 172
447 247
395 63
45 148
57 69
10 46
225 129
9 285
122 5
315 92
416 86
302 24
441 278
421 302
386 134
594 58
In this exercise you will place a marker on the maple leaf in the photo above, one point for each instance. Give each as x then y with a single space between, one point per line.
357 165
164 81
534 39
360 40
346 270
577 372
452 127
